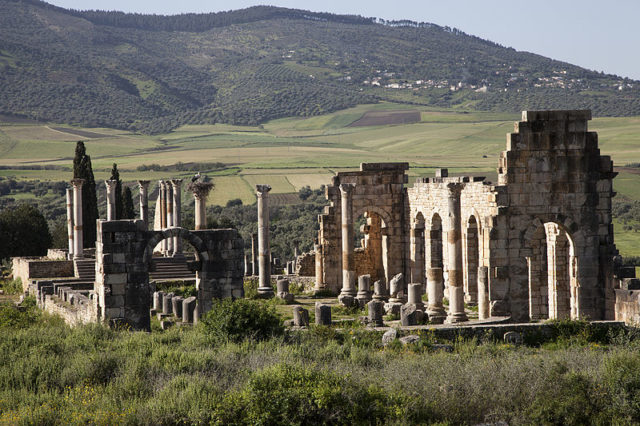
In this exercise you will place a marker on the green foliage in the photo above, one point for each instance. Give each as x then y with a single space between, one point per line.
235 320
82 169
115 175
280 63
295 394
11 286
23 232
178 288
251 288
127 204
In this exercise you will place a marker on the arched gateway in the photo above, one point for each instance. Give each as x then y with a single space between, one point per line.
124 250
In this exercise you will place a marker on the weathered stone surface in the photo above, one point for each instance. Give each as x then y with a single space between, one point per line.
407 340
176 306
513 338
379 291
323 314
389 336
375 309
189 309
364 290
300 316
167 306
408 315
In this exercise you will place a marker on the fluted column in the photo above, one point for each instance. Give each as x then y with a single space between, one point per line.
176 185
200 193
78 249
144 201
111 198
454 256
70 222
264 248
169 198
254 254
348 265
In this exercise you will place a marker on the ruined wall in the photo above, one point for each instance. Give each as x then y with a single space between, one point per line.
29 268
124 255
306 264
553 172
627 307
379 189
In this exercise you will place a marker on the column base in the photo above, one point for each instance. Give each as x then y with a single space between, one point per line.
436 316
457 317
347 298
266 292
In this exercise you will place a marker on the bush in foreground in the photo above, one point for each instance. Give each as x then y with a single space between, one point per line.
236 320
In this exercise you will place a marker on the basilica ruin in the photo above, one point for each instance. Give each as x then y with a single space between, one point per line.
537 244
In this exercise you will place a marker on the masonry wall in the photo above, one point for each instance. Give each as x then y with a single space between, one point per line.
29 268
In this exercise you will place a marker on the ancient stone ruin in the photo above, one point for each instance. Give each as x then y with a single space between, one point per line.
537 244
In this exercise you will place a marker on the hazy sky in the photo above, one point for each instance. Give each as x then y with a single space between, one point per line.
595 34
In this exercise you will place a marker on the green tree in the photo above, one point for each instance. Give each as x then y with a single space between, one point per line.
82 170
115 175
127 209
23 232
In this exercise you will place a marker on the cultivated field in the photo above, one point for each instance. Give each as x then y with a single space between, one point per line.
291 153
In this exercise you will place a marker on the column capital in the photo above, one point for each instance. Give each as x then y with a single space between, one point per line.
144 183
176 183
347 188
161 183
110 184
200 189
263 189
77 183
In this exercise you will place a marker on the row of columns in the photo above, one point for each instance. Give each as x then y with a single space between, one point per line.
170 203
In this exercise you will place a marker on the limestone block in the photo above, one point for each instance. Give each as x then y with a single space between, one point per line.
408 315
300 316
389 336
323 314
375 310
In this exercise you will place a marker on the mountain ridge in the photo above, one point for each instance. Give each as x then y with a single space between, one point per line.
110 69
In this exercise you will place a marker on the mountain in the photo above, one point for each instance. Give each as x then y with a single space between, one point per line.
152 73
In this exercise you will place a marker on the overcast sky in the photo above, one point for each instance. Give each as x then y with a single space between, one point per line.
595 34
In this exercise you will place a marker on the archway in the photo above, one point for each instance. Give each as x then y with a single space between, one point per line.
370 248
553 286
471 261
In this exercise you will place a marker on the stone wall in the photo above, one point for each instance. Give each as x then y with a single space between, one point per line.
29 268
306 264
124 251
627 306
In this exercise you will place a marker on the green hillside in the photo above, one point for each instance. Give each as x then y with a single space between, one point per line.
154 73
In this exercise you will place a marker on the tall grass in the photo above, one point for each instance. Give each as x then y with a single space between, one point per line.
52 374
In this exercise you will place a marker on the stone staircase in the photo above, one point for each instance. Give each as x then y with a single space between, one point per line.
85 269
171 268
165 269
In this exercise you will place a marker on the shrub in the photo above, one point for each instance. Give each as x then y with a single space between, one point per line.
230 320
11 286
294 394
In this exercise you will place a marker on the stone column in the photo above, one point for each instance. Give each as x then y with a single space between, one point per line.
176 185
454 257
264 249
200 193
111 198
144 201
319 272
162 196
70 222
169 202
483 292
417 254
435 293
348 266
254 254
78 249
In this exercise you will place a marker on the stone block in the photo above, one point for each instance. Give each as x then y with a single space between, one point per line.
300 316
408 315
167 307
389 336
323 314
176 306
375 310
189 310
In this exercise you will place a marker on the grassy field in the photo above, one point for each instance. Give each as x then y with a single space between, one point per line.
291 153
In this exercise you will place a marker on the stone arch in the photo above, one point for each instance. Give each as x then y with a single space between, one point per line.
384 215
201 249
471 256
553 243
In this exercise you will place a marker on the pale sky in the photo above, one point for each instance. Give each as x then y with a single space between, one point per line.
595 34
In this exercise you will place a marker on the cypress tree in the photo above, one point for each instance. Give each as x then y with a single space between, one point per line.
127 208
115 175
82 170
